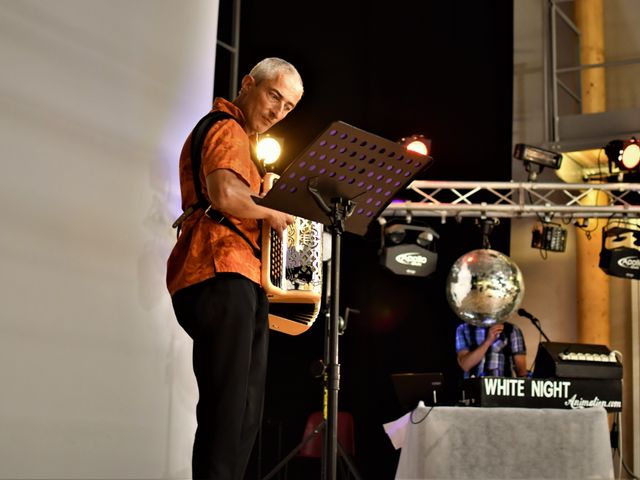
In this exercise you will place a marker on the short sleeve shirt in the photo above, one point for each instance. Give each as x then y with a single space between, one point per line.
498 361
206 247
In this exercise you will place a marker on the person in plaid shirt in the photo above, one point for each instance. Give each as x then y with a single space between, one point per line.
496 351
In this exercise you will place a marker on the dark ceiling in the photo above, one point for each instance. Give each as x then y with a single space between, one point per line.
438 68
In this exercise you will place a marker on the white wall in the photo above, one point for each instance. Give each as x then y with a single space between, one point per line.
96 98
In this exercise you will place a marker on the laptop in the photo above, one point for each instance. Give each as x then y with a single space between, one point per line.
411 388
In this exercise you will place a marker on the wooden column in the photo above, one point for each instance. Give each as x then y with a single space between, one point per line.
589 20
594 323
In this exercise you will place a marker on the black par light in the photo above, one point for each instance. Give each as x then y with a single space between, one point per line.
623 154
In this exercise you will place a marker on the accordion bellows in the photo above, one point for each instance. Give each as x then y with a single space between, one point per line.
292 272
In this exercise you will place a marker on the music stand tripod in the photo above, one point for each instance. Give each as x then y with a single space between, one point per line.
344 179
320 371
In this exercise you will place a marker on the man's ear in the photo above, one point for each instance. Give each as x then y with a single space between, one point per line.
247 82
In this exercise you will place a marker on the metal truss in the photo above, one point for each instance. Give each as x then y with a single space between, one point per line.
518 199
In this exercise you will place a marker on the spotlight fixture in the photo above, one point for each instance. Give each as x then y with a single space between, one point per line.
418 144
408 249
395 233
624 154
536 156
268 150
620 252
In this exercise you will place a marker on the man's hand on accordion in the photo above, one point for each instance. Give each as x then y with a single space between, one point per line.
279 220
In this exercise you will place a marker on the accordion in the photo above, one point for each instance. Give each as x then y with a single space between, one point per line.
292 272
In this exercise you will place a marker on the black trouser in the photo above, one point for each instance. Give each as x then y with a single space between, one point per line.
227 318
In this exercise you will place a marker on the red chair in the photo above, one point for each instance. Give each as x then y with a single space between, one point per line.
314 446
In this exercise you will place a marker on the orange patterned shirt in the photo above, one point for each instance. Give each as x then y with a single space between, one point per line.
204 246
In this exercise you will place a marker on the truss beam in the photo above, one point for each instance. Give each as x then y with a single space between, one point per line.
516 199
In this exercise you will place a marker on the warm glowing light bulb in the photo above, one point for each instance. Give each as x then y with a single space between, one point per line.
630 157
268 150
418 147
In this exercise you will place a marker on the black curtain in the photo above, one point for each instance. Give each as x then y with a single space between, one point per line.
442 69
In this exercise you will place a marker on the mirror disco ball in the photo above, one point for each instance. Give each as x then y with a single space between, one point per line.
484 287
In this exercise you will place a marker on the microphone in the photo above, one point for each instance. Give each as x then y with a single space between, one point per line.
523 313
536 323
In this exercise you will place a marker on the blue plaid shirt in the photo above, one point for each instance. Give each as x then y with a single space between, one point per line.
494 362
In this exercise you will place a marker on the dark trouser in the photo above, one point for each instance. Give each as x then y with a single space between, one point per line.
227 318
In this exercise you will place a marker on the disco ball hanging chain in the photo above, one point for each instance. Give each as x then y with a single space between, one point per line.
486 227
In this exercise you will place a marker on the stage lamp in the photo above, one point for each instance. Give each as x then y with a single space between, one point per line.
268 150
408 249
395 233
620 252
623 154
539 157
418 144
426 238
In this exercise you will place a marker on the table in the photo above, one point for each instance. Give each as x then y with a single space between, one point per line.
506 443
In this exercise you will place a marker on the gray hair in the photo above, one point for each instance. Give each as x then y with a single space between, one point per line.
269 68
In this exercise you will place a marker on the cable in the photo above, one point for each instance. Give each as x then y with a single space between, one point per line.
614 439
618 355
583 226
616 433
600 150
629 471
422 419
543 253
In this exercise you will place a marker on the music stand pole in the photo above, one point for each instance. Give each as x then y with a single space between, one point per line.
339 212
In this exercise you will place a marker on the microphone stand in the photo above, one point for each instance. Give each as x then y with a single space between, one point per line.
536 323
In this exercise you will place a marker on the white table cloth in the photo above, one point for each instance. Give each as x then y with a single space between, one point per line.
505 443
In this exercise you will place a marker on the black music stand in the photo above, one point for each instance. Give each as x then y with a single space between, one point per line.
344 179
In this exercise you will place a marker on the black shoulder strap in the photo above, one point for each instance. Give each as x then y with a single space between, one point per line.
506 351
508 329
197 142
219 217
198 135
473 344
